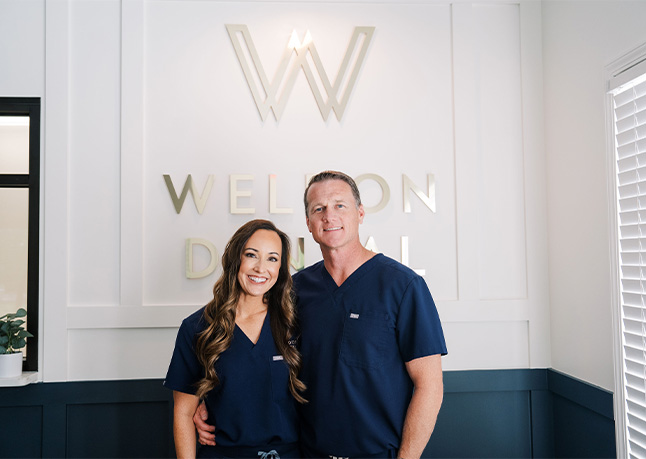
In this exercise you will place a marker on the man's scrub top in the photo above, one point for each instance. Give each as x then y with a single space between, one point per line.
355 341
252 405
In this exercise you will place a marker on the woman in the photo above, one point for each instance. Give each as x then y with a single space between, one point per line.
238 355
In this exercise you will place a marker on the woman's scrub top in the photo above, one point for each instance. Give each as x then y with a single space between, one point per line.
252 405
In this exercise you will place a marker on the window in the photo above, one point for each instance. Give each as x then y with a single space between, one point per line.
19 214
627 97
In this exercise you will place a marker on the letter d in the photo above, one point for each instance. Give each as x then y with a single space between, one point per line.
213 253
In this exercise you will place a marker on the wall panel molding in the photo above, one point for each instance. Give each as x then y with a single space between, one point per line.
534 179
56 192
132 151
170 316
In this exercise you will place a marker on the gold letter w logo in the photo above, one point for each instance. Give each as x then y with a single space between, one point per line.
334 96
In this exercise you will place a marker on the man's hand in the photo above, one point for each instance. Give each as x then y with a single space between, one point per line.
204 430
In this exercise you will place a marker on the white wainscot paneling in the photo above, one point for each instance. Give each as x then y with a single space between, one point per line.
127 353
489 151
94 184
484 345
200 119
502 258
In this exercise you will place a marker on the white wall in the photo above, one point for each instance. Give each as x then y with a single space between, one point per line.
22 25
138 89
579 40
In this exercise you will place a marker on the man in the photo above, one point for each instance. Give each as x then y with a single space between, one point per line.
371 339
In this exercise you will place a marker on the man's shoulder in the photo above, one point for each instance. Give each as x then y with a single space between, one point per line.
394 269
307 272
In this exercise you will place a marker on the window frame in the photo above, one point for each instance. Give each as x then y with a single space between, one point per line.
618 73
29 106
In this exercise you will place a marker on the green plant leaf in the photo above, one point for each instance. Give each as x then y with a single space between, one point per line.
12 332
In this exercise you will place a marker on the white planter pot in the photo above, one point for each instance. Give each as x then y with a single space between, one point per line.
11 365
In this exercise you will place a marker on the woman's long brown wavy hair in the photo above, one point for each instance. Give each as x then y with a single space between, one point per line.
220 313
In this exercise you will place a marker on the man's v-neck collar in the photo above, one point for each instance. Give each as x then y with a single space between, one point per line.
356 275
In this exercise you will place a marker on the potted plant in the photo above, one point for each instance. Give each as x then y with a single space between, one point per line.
12 339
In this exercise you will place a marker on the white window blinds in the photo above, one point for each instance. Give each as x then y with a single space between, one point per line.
630 146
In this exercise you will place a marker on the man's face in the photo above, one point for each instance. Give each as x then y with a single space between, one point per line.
332 214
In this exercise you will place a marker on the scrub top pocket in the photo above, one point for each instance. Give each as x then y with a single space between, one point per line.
365 338
279 377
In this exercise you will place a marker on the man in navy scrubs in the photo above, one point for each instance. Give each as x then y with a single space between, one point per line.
371 339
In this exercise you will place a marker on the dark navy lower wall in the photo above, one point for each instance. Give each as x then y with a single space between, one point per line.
522 413
486 413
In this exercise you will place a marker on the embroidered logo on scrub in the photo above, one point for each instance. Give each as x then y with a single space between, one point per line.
278 357
354 315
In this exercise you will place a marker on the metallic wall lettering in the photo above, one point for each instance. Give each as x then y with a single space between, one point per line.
334 97
427 199
235 193
371 245
404 255
298 250
385 192
190 243
297 263
198 199
273 207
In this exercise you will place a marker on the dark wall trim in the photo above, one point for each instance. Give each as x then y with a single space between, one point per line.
591 397
486 413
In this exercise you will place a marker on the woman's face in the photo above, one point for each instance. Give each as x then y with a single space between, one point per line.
260 264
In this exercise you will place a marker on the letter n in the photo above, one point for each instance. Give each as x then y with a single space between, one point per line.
427 199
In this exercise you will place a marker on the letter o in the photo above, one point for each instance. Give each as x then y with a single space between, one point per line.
385 191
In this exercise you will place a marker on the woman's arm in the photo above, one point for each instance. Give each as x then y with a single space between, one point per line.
183 428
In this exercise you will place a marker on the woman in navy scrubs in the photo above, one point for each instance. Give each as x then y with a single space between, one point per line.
237 354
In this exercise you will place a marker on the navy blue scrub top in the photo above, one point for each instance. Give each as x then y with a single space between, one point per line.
252 405
355 340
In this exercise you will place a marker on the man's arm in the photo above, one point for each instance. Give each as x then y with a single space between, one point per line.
426 373
205 432
183 430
